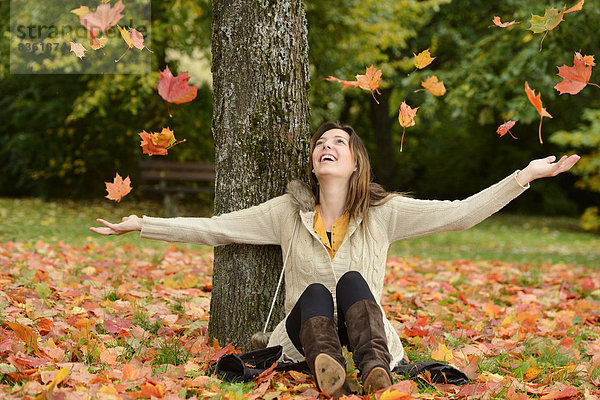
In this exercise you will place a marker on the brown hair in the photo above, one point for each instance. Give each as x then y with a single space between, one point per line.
362 192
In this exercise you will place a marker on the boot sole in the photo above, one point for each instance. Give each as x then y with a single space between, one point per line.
330 375
377 379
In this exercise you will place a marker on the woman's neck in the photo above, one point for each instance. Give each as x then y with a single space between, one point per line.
332 202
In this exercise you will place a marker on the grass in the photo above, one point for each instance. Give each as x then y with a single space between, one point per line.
509 238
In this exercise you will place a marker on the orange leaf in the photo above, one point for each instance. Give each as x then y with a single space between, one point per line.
406 118
505 127
434 86
498 22
442 353
149 390
26 334
157 144
369 81
536 101
575 78
175 89
423 59
589 60
562 392
576 7
395 395
118 189
130 373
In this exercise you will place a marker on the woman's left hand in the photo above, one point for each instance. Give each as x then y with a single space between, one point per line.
546 167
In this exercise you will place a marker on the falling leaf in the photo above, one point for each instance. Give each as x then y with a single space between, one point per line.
423 59
175 89
505 127
576 7
125 35
157 144
575 78
95 42
118 189
442 353
434 86
536 101
137 39
498 22
551 19
104 18
589 61
369 81
78 49
406 117
81 11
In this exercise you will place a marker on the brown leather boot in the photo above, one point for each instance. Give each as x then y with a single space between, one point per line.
323 353
368 342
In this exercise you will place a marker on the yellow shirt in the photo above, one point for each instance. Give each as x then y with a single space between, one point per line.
338 232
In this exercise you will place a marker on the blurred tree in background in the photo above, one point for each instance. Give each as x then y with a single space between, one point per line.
62 134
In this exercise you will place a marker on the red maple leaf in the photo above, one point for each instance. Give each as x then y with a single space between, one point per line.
103 18
118 188
505 128
577 77
175 89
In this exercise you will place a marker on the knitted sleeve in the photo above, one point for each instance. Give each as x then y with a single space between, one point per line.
260 224
406 217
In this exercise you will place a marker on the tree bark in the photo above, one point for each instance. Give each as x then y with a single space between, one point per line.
261 131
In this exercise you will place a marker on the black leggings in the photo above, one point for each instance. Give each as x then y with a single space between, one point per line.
316 300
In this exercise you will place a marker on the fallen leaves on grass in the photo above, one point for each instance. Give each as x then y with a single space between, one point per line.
122 322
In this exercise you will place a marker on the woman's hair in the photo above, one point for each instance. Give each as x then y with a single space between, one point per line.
362 192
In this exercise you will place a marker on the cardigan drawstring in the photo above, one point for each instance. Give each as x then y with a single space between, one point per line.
287 254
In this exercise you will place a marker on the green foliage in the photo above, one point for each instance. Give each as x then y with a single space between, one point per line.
171 351
65 135
586 139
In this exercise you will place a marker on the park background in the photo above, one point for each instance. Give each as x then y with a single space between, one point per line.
64 135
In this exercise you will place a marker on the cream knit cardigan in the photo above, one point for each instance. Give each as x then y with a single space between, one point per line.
287 221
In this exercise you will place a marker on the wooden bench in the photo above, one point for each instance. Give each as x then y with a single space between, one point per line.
174 179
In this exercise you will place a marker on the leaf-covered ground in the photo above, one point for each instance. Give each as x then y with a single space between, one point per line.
114 321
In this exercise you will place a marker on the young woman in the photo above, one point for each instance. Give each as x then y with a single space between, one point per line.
334 235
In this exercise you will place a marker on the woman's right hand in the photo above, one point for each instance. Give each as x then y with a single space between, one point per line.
128 224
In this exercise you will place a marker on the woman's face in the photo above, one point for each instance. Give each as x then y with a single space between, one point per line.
332 157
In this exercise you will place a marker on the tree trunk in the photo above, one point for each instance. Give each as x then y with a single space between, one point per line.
261 131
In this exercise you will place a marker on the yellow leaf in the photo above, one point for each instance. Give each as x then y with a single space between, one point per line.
423 59
126 36
108 389
81 11
442 353
62 374
395 395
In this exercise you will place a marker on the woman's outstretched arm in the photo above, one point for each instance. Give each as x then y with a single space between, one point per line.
406 217
127 224
546 167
